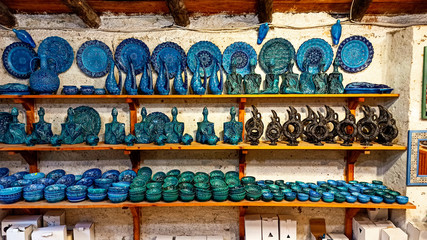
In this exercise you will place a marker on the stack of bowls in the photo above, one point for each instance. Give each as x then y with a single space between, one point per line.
186 177
170 190
34 176
122 185
145 172
217 174
93 173
253 192
76 193
56 174
127 175
153 194
267 196
55 193
237 193
117 194
203 191
112 174
278 195
103 182
22 183
10 195
201 177
315 196
186 192
45 181
20 175
137 194
139 181
174 173
4 172
219 189
7 181
159 177
33 192
86 181
248 180
67 180
96 194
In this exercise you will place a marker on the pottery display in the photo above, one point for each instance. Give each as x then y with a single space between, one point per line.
70 90
308 123
58 49
314 51
271 80
332 121
14 89
111 84
234 81
319 130
44 80
365 87
89 119
87 90
197 85
254 127
130 81
252 81
306 80
240 55
15 133
93 58
290 80
355 53
142 133
17 59
233 129
281 51
320 79
174 129
205 130
114 131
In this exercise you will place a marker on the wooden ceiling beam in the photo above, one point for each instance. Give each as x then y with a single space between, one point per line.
84 11
179 12
265 11
6 17
358 9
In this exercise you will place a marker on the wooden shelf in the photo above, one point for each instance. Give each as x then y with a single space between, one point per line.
107 204
198 146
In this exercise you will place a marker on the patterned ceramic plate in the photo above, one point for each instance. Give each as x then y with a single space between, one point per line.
136 50
16 59
89 119
278 49
172 54
5 119
315 50
355 54
93 58
156 122
207 53
240 52
58 49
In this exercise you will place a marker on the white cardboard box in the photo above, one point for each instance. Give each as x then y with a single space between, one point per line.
84 231
357 221
417 231
337 236
378 214
270 227
35 220
19 232
393 234
214 238
253 227
50 233
163 237
287 228
372 231
54 218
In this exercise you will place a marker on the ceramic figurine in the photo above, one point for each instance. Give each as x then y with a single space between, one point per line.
293 128
56 140
367 127
160 139
332 121
180 86
92 140
130 80
205 130
162 83
216 86
233 129
335 79
387 127
15 133
252 81
254 127
71 132
347 128
290 82
114 131
271 80
320 79
198 87
31 140
336 30
14 89
319 131
44 80
130 140
174 129
306 80
141 129
308 123
25 37
233 84
42 130
146 82
274 129
110 82
262 32
187 139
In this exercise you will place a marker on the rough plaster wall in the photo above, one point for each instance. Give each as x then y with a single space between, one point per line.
287 165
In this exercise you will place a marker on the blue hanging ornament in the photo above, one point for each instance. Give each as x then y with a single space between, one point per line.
336 30
25 37
262 32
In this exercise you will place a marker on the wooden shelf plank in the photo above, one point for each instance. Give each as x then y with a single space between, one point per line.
198 146
107 204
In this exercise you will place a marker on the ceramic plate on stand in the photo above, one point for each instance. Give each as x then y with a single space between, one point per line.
355 54
207 53
315 50
93 58
16 59
89 119
240 52
156 122
279 49
137 50
172 54
58 49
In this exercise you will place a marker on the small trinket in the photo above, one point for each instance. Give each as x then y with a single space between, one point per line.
216 86
347 128
332 122
320 79
233 129
271 80
387 127
92 140
274 129
306 79
130 80
187 139
367 127
130 140
42 130
111 84
146 82
198 87
114 131
254 127
336 30
293 128
233 83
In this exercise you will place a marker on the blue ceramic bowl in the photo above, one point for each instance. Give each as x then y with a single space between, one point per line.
128 176
290 196
113 174
67 180
118 190
10 198
34 176
319 183
125 185
117 197
96 197
100 91
103 182
56 174
363 198
389 199
34 187
92 190
77 178
158 176
70 90
45 181
350 199
376 199
356 194
402 200
267 196
341 183
77 189
87 90
21 183
33 196
87 181
328 197
94 173
20 175
7 181
313 186
4 172
332 183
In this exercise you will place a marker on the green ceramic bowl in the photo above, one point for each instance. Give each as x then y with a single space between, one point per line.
93 190
377 182
187 198
339 198
217 173
218 183
137 198
172 180
220 198
186 186
394 193
137 190
173 172
237 197
157 185
247 180
232 174
232 181
201 178
203 197
170 198
153 198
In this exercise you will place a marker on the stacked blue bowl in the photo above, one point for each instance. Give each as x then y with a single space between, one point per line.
170 190
7 181
103 182
34 176
33 192
45 181
153 194
77 193
55 193
86 181
219 188
22 183
10 195
127 176
186 192
56 174
137 194
67 180
4 172
117 194
20 175
111 174
96 194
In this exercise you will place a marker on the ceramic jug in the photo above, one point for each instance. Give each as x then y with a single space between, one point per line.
130 81
44 80
110 83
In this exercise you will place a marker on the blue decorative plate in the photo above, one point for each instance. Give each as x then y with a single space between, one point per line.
5 119
16 59
127 175
355 54
58 49
279 49
89 119
94 173
315 50
93 58
240 52
172 54
136 50
206 52
156 122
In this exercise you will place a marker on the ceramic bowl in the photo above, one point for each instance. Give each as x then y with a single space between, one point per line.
117 197
112 174
377 182
290 196
402 200
173 172
68 180
33 196
34 176
394 193
217 173
339 198
159 177
87 181
350 199
87 90
94 173
7 181
77 178
4 172
100 91
20 175
369 192
302 197
145 171
96 197
22 183
376 199
332 183
93 190
231 174
125 185
56 174
127 175
70 90
10 195
363 198
119 190
389 198
356 194
248 180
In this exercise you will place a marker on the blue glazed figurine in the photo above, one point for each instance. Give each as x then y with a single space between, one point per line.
174 129
180 86
336 30
141 129
252 81
290 82
114 131
25 37
162 83
197 86
262 32
320 79
130 140
71 133
92 140
15 133
306 80
130 81
42 130
110 83
187 139
335 79
146 82
233 129
271 80
234 83
56 140
206 131
44 80
216 86
160 139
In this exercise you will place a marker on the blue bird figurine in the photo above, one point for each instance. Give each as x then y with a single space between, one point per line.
198 87
262 32
336 30
216 86
162 83
25 37
146 82
180 85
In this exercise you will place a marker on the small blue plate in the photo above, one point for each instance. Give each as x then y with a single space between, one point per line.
93 58
355 54
207 53
240 52
172 54
134 49
58 49
315 50
16 59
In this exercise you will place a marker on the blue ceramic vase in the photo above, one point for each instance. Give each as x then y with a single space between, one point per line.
44 80
25 37
306 80
114 131
336 30
110 82
262 32
233 129
15 133
174 129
